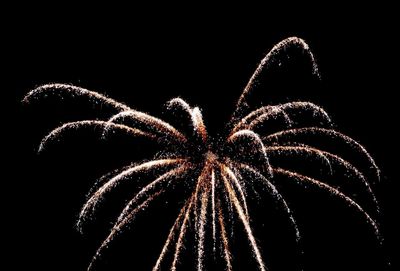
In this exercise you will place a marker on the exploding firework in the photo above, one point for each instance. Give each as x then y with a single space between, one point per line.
219 172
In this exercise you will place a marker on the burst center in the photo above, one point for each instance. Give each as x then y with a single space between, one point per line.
210 157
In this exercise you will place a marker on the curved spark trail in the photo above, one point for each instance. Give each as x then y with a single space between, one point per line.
218 171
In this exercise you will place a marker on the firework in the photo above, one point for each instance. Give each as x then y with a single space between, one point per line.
218 174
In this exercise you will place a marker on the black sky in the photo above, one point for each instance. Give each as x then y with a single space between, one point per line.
207 59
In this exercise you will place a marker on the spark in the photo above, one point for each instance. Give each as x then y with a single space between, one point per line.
292 42
56 133
198 124
155 125
62 90
333 192
216 170
225 240
132 208
323 132
182 233
214 227
96 197
184 213
201 231
245 221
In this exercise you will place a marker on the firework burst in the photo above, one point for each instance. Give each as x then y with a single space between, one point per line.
219 171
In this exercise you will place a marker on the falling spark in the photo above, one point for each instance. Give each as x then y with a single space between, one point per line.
271 58
182 233
132 208
201 231
185 214
63 89
328 158
245 221
96 197
213 210
119 227
239 187
56 133
218 171
333 192
225 240
275 193
323 132
156 125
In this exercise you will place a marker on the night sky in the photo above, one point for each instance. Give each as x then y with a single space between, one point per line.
206 59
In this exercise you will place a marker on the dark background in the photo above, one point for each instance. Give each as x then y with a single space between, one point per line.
206 59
